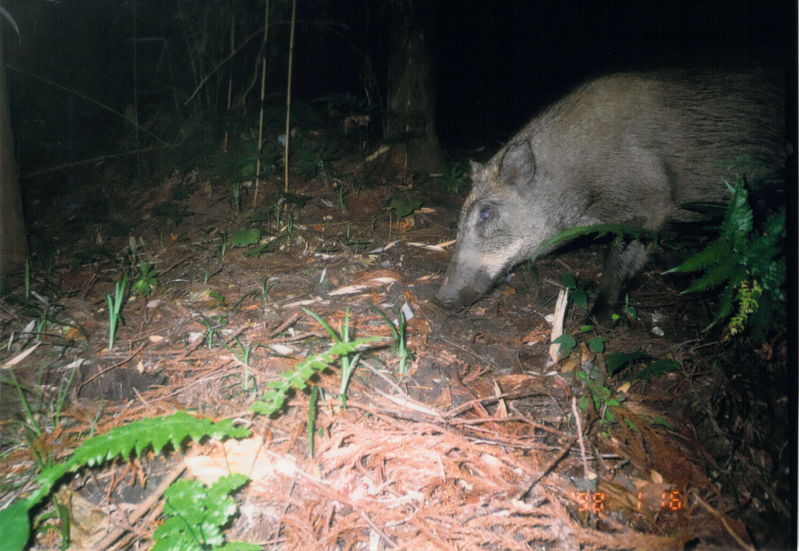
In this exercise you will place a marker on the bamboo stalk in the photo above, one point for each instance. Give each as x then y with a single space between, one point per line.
230 80
288 100
261 116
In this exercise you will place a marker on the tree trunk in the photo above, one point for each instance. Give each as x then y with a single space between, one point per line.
412 90
13 244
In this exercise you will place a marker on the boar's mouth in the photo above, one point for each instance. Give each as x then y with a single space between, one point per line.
460 290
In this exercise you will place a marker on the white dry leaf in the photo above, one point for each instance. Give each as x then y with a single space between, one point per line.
425 246
29 329
383 249
407 313
348 290
283 350
373 282
21 356
246 457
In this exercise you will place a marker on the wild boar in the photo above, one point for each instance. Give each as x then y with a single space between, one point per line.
629 148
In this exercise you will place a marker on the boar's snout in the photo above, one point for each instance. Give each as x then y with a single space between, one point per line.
455 299
460 290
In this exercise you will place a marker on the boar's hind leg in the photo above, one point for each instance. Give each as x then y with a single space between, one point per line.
622 261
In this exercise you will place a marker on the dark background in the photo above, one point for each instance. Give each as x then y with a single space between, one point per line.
496 63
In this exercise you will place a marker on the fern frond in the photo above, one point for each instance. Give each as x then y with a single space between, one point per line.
726 270
738 220
275 397
627 231
121 441
725 306
708 256
195 515
156 432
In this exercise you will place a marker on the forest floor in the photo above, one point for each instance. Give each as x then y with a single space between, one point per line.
650 434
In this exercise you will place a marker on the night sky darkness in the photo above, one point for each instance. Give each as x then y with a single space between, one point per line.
497 62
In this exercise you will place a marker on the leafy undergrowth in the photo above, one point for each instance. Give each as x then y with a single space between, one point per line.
457 430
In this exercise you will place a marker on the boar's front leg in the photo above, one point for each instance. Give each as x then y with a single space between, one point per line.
622 261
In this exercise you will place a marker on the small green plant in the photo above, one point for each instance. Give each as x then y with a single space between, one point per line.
596 343
212 327
578 294
147 280
245 238
627 311
114 307
195 515
399 347
265 288
348 361
242 353
311 163
748 262
567 344
404 207
602 398
121 442
455 179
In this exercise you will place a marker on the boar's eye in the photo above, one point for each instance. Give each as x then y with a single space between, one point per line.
485 212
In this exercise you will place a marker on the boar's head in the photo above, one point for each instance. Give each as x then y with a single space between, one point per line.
509 213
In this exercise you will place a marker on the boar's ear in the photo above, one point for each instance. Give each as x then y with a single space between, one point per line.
518 165
474 167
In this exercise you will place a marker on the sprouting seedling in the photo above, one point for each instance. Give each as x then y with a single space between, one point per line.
114 306
212 328
223 246
627 311
237 197
146 281
348 361
399 347
265 288
289 228
243 355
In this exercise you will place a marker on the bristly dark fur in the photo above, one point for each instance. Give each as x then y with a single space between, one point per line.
628 148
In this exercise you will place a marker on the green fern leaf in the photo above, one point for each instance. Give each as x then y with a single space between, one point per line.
708 256
727 269
196 514
738 220
156 432
274 399
622 231
725 306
